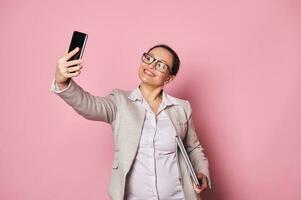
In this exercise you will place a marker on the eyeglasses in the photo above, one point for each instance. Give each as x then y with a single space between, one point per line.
160 66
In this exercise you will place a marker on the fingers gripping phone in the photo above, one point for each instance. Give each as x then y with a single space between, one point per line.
79 39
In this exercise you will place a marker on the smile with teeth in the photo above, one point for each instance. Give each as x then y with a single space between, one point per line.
149 73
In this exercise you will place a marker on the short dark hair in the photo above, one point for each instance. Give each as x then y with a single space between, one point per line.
175 58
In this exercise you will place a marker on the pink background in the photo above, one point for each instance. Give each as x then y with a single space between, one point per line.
241 71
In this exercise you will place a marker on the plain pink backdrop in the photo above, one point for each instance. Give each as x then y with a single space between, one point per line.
241 71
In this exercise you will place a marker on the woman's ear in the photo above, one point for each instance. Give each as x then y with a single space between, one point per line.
169 79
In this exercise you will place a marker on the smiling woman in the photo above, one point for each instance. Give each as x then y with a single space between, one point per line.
145 121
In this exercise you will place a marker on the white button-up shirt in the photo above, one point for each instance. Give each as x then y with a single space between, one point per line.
154 173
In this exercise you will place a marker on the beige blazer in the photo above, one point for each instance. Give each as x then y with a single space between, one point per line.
126 118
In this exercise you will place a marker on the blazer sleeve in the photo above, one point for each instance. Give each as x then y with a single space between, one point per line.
91 107
194 149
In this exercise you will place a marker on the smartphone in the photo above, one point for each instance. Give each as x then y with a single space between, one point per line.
79 39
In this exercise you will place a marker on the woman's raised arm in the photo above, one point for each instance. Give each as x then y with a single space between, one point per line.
89 106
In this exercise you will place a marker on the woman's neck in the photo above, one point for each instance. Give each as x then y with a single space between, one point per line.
150 93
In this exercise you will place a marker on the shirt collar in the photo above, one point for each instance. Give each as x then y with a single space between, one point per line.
137 95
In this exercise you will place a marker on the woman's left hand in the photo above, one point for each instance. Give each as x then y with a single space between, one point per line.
203 181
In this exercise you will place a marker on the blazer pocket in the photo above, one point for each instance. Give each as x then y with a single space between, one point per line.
115 164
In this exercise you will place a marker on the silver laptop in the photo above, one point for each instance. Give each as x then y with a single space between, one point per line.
187 161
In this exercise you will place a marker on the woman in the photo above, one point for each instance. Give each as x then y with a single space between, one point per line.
145 121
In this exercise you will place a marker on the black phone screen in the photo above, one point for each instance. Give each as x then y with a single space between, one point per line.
79 39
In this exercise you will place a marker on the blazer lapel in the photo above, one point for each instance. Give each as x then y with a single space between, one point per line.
134 127
173 116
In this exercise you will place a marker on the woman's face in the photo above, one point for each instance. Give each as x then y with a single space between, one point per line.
148 73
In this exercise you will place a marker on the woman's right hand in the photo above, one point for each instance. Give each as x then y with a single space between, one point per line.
64 72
